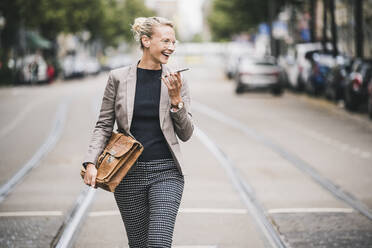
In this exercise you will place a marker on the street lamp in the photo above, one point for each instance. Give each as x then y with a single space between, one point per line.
2 24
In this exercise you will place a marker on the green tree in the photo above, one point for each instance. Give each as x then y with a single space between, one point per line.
118 16
235 16
106 20
231 17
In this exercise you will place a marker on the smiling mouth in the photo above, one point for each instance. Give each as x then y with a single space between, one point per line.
166 54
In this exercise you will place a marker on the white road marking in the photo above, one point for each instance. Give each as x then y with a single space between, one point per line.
181 210
103 213
296 161
31 213
309 210
214 210
116 212
195 246
184 210
245 191
78 213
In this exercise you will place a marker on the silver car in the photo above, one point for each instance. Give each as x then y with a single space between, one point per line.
259 73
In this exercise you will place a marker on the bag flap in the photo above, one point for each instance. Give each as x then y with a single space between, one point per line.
110 165
121 146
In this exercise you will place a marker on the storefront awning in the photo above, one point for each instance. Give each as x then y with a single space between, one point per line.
36 41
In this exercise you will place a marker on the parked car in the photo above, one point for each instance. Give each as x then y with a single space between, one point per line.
336 79
231 65
92 66
73 66
297 66
233 53
259 73
321 65
370 99
356 87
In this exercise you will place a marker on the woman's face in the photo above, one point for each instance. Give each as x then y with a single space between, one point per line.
162 44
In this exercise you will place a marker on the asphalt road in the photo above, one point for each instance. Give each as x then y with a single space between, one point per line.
260 170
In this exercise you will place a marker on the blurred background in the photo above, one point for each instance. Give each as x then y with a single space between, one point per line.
320 47
281 100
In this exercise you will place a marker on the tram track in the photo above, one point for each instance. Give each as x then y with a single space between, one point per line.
68 231
45 148
271 235
272 238
296 161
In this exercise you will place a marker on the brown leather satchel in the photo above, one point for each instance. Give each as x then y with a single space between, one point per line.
115 161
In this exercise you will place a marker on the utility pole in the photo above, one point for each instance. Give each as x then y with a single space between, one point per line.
312 20
324 33
272 10
358 17
333 28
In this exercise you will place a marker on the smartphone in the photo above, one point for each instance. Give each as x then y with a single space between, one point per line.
186 69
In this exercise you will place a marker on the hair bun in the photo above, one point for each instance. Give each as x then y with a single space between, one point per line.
144 26
136 27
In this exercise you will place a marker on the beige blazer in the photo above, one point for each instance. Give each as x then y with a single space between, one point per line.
118 103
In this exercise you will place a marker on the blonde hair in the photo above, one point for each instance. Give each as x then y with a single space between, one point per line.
145 26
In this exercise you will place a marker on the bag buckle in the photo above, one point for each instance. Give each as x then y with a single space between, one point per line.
110 158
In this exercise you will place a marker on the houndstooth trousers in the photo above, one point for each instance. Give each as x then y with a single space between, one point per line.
148 198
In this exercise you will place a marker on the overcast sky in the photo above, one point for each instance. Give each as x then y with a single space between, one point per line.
190 14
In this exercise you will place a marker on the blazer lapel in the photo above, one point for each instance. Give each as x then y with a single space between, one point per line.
164 98
131 92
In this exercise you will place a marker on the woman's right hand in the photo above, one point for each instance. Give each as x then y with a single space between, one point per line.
90 175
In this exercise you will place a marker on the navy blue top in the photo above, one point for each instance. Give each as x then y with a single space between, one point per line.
145 125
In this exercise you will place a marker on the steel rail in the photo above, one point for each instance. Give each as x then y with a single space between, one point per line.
68 231
47 146
271 235
300 164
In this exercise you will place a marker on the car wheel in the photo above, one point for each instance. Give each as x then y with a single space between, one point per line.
330 93
277 91
239 88
350 101
309 88
300 84
370 107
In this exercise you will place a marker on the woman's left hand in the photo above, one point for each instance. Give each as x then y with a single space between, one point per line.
174 83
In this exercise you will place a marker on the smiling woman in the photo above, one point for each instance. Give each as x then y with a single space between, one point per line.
151 104
157 37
